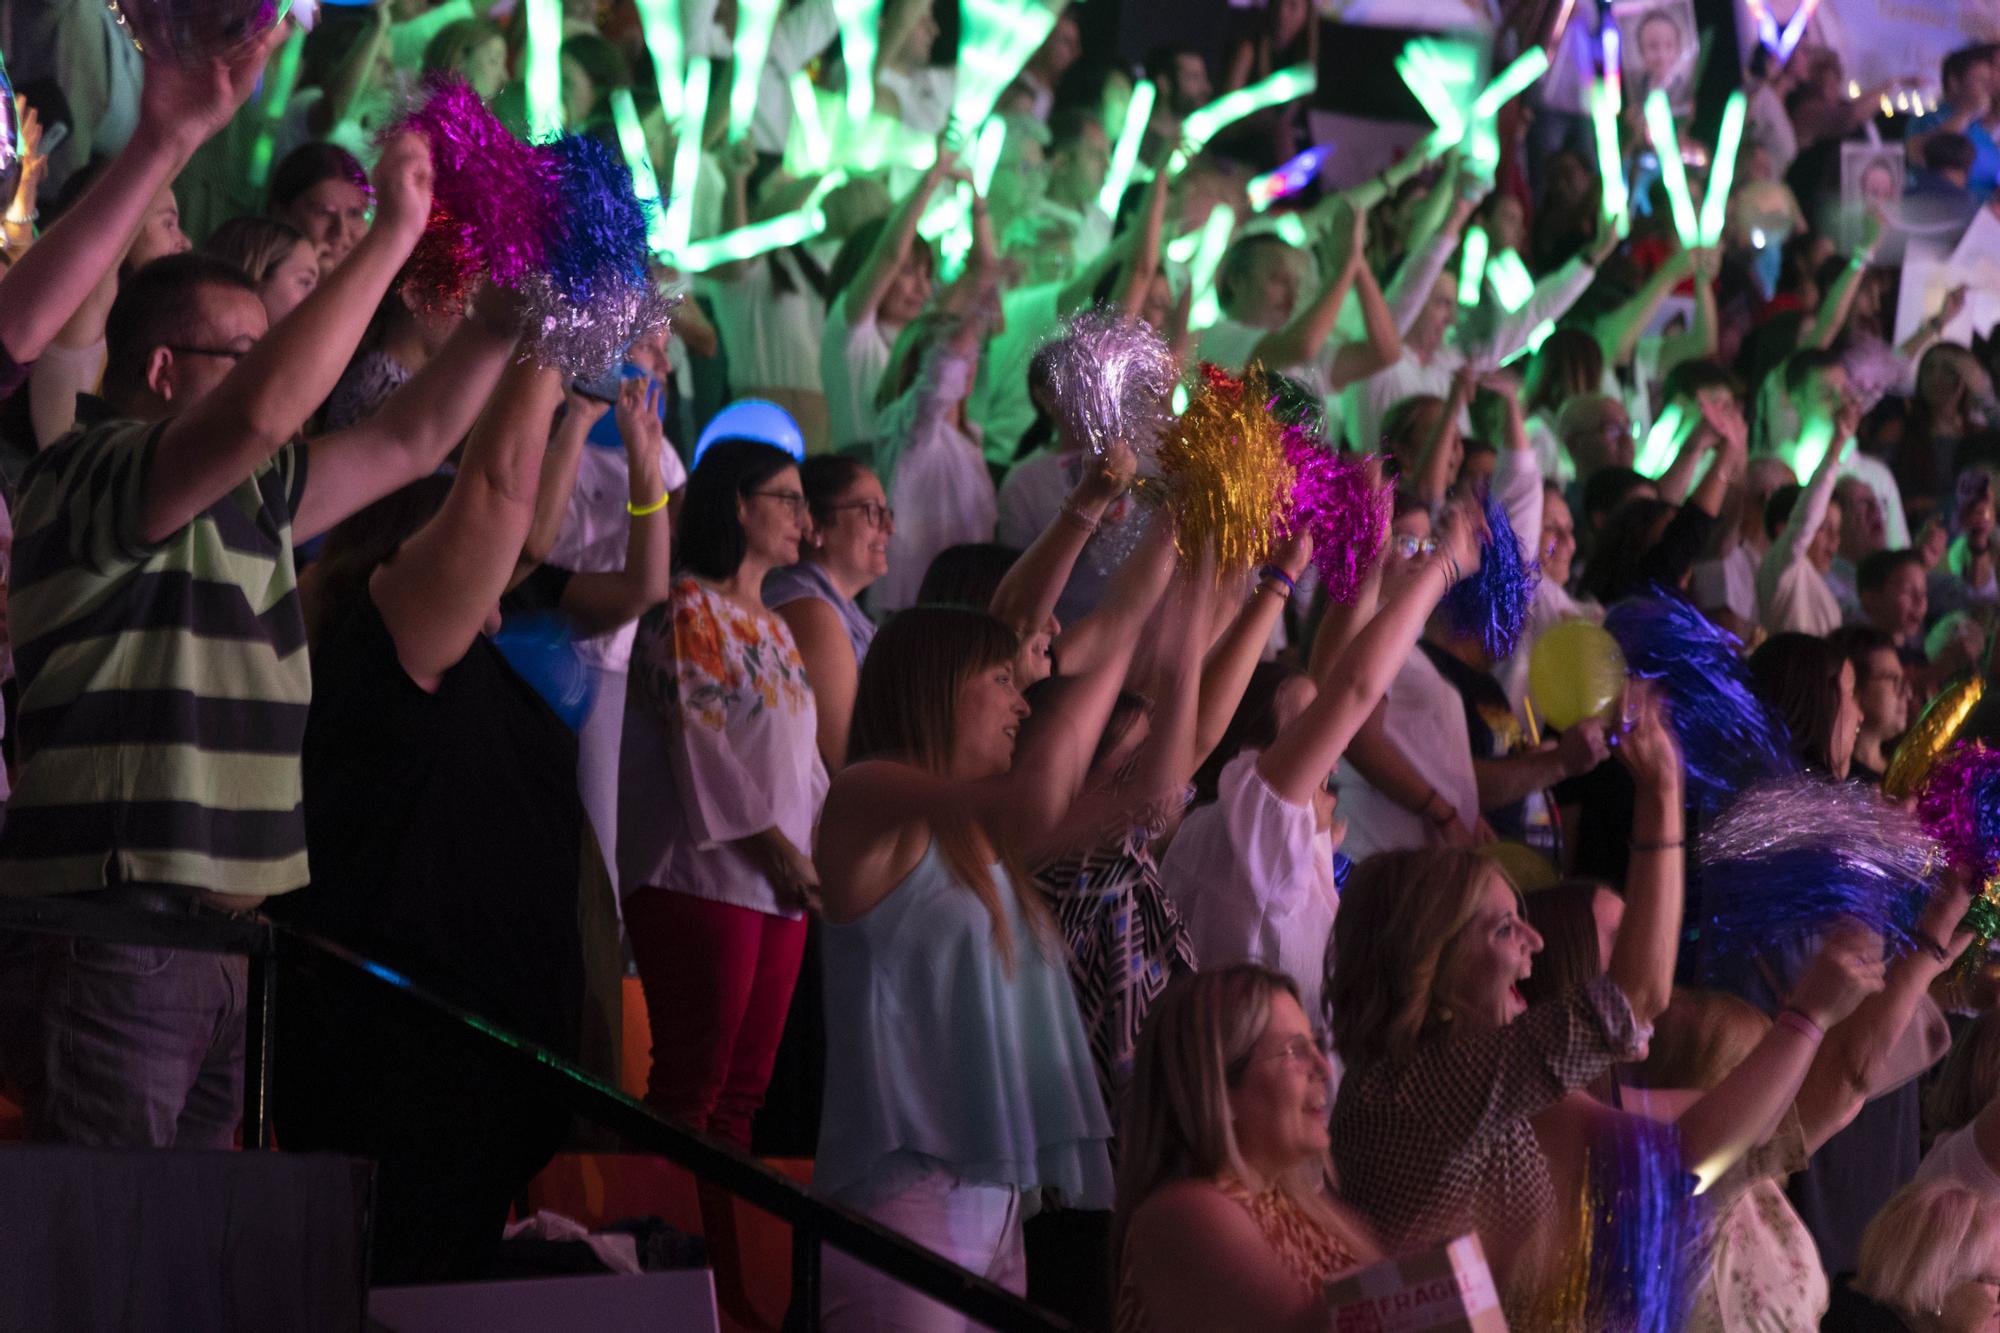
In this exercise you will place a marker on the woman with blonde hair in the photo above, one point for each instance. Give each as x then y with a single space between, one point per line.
1930 1262
1963 1111
1227 1217
280 259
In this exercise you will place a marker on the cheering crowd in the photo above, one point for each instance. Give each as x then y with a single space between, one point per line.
1160 932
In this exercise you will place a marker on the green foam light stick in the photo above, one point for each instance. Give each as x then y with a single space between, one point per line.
687 154
756 239
1815 438
645 181
1125 156
1657 454
1511 82
544 78
986 151
278 86
1722 172
660 21
1287 85
815 150
1673 172
1211 244
1291 228
754 21
1617 198
1440 76
859 22
1511 282
995 41
1472 266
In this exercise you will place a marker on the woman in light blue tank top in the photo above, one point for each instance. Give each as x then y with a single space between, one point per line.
959 1083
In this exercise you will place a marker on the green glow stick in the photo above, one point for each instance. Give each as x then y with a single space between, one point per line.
815 151
1815 438
754 21
1511 282
1617 197
1287 85
1673 172
1125 156
1657 454
284 77
995 41
1212 244
1516 79
986 152
1722 172
859 22
1534 343
1433 97
1439 75
1292 228
544 79
687 154
756 239
645 181
1472 266
1181 249
660 21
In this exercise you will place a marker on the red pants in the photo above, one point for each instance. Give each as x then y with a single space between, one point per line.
718 983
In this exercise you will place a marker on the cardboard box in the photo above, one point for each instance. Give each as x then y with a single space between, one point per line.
1448 1289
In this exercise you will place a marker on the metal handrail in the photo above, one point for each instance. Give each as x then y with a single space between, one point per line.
813 1220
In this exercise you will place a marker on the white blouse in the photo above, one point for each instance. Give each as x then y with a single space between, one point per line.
721 742
1425 718
935 474
1253 878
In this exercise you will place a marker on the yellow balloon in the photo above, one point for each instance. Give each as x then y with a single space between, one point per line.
1575 671
1529 870
1926 742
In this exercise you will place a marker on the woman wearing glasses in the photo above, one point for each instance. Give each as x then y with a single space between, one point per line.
846 550
1226 1212
720 784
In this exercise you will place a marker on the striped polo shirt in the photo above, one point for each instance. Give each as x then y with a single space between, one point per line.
163 686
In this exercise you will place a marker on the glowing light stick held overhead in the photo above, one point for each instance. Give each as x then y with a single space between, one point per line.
815 149
645 181
754 21
1722 172
544 78
1617 197
986 150
1440 76
1815 438
687 154
1287 85
1673 172
660 22
278 87
1472 267
995 41
1212 244
1511 281
1794 30
1125 155
756 239
859 21
1657 453
1285 181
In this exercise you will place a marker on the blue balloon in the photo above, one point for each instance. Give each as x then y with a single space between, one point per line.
541 647
753 419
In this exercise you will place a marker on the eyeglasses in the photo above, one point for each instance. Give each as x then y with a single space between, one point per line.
878 515
1299 1050
231 354
791 500
1409 548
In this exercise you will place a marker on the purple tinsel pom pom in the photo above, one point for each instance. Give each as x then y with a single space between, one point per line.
1492 605
1960 807
498 190
1109 377
1346 514
1646 1248
1729 737
1791 856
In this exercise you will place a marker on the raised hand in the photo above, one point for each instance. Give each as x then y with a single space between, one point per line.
1649 749
639 417
403 179
187 103
1847 970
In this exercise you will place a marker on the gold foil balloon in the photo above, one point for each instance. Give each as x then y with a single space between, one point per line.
190 31
1930 738
1529 870
1575 671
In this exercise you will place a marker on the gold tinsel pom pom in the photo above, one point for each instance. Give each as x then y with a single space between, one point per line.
1223 468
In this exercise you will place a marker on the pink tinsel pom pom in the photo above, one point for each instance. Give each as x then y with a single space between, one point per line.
1346 514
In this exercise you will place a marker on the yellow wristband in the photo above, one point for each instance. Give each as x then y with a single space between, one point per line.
640 511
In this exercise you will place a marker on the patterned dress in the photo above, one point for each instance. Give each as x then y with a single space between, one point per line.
1303 1245
1126 942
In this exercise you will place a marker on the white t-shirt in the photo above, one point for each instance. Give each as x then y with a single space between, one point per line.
1253 878
771 337
936 477
1425 718
595 532
852 360
1729 582
1955 1156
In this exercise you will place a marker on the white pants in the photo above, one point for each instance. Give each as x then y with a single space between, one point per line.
977 1227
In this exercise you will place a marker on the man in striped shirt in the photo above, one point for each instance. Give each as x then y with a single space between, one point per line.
162 659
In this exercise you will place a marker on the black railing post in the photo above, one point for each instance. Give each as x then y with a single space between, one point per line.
803 1314
259 1020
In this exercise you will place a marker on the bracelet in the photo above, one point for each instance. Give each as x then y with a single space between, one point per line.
1272 585
1273 572
640 511
1069 515
1799 1023
1673 846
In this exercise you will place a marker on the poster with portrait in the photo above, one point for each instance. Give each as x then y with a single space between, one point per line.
1871 177
1658 48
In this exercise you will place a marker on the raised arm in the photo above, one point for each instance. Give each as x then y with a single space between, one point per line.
1134 589
1618 330
1298 761
351 76
1553 297
1839 298
1030 589
1383 345
1299 341
180 106
557 482
892 245
1231 661
597 603
1642 961
438 592
1701 338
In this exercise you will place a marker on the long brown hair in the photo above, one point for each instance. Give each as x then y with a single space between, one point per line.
905 709
1399 916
